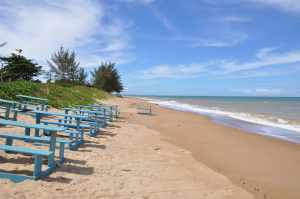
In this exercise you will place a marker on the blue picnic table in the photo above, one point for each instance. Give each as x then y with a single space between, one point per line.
38 103
101 114
37 153
67 117
9 106
96 117
65 120
111 111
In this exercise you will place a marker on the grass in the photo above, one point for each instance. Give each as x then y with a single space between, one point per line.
59 95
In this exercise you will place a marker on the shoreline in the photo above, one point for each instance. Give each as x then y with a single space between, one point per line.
266 128
263 165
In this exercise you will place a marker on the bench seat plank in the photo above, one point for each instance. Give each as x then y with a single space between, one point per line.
32 138
32 126
26 150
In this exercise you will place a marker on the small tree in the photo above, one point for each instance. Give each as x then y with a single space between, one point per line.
106 77
63 63
82 76
17 67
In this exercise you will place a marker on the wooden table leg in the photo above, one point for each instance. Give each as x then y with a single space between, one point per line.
52 146
37 121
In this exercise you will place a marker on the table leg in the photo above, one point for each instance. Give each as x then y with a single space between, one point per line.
51 159
37 121
7 113
66 112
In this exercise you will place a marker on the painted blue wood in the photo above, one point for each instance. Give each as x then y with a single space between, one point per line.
28 103
78 136
51 129
147 110
37 153
25 150
9 107
14 177
96 119
45 113
37 171
93 115
81 126
45 139
31 126
40 114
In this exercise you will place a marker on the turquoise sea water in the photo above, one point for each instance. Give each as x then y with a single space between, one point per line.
273 116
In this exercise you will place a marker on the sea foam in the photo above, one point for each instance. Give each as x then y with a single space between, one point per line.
213 112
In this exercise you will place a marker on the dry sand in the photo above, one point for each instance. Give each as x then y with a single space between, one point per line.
169 155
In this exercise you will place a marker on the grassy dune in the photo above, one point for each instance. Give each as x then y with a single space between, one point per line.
58 95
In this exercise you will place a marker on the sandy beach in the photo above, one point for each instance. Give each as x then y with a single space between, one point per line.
170 154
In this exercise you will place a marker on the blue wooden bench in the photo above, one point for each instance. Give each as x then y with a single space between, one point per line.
38 154
68 123
72 121
96 117
9 138
110 112
144 109
35 103
76 137
8 107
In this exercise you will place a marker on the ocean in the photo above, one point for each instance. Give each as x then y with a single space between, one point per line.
277 117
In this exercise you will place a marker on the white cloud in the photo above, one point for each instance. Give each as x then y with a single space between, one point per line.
234 19
286 5
265 57
138 1
40 28
164 20
167 71
227 42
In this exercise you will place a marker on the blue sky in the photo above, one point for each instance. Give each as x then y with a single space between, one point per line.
168 47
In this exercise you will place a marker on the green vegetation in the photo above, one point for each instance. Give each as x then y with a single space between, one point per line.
59 95
66 68
67 82
107 78
17 67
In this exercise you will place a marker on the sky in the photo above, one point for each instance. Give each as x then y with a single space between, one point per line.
167 47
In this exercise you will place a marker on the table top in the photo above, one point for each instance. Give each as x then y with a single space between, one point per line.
60 114
8 101
32 126
85 110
